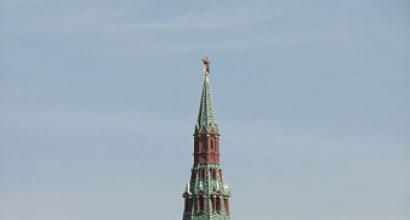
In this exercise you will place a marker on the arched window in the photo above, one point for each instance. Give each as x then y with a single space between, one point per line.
212 145
202 174
218 204
200 144
201 204
213 174
188 205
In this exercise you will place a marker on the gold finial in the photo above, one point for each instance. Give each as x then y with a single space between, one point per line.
206 65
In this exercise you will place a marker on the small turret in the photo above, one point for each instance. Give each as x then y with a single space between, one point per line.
188 188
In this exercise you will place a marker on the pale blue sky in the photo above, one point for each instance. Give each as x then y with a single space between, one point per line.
99 100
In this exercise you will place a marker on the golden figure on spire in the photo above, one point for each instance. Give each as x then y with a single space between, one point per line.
206 65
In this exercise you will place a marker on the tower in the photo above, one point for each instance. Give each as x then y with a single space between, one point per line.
206 195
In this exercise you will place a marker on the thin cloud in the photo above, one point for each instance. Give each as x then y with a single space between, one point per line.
242 17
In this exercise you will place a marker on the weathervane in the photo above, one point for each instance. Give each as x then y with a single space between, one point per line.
206 65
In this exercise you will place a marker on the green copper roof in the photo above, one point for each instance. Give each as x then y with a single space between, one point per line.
206 116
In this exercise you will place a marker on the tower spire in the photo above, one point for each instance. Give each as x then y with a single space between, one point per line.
206 116
206 194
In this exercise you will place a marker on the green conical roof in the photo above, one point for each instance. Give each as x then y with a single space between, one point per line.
206 116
